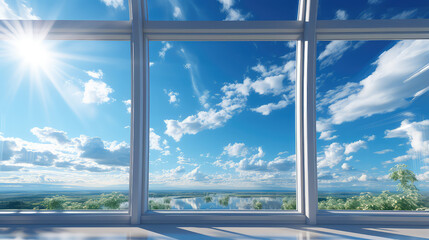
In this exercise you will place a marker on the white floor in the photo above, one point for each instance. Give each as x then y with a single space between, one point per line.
215 232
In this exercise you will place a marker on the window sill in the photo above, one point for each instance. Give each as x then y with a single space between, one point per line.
372 217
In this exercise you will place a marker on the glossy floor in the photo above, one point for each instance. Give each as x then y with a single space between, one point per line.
215 232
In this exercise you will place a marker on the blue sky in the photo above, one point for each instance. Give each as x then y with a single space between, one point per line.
222 113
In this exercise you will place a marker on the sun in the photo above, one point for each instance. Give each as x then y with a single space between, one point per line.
32 52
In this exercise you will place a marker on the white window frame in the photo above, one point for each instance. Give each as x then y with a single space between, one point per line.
307 30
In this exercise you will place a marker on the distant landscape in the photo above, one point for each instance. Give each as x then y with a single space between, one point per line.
407 197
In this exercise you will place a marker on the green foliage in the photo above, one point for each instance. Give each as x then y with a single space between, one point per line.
224 201
54 203
153 205
167 200
405 177
108 201
289 203
408 198
257 205
112 200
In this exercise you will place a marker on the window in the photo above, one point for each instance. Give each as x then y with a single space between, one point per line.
65 132
372 9
219 10
182 58
372 119
64 10
222 132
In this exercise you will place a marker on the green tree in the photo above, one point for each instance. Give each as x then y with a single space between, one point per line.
54 203
405 177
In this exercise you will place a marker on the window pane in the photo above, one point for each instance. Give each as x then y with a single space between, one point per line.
222 10
373 124
222 125
373 9
64 124
64 10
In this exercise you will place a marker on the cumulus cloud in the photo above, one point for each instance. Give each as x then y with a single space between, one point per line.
210 119
354 146
105 153
25 12
195 175
154 140
236 150
97 92
416 132
50 135
400 73
346 166
233 14
172 96
95 74
332 156
164 49
45 158
114 3
327 135
234 100
128 105
268 108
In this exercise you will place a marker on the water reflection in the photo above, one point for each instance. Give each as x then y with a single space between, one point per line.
221 201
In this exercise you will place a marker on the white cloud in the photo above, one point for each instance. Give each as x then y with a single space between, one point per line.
177 12
384 151
105 153
370 138
154 140
95 74
172 96
233 101
268 108
416 132
327 135
232 13
333 52
164 49
346 166
354 146
128 105
424 177
188 66
400 73
50 135
337 94
363 178
97 92
210 119
151 64
332 156
195 175
204 98
114 3
25 12
341 15
236 150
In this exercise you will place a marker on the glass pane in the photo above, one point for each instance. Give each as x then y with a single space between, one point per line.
372 9
64 125
222 10
373 124
64 10
222 125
